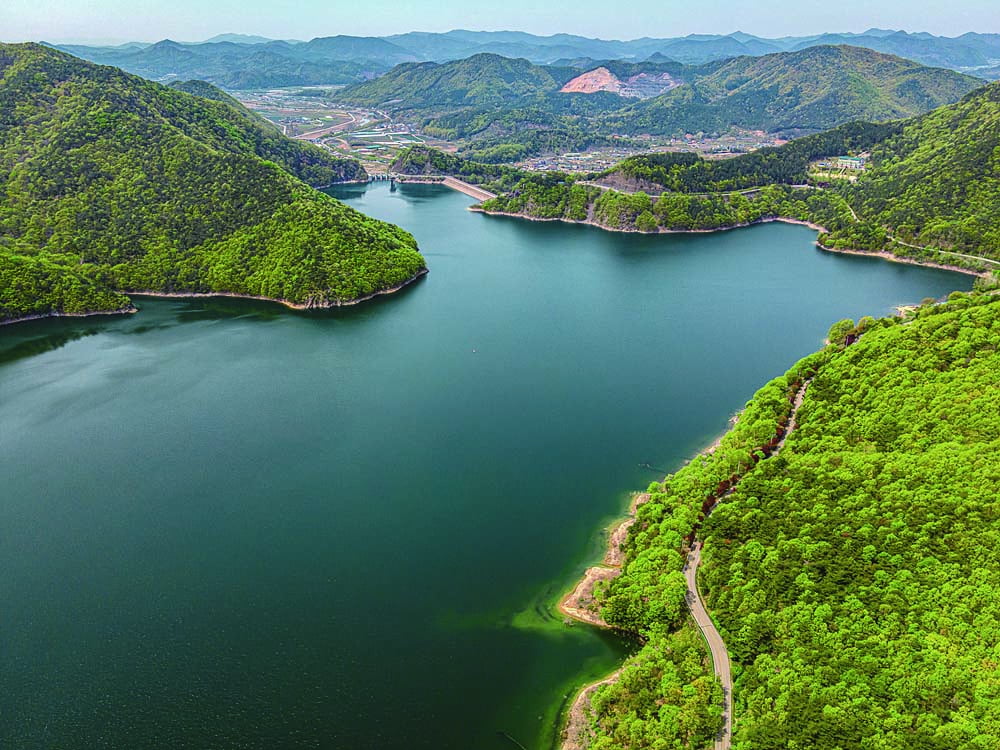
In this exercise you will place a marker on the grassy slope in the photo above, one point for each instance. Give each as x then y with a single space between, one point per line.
129 185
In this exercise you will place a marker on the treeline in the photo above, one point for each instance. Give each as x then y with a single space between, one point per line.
854 575
120 184
423 160
784 165
554 196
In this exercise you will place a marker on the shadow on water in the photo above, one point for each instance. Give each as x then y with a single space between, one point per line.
36 337
20 346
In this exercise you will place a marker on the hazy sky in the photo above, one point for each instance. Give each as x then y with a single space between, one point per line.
192 20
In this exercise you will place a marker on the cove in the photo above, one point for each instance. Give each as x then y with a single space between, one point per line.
225 524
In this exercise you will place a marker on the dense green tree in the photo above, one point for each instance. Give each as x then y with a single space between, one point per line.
125 185
854 574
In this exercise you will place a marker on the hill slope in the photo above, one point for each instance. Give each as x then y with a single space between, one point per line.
815 89
933 184
855 575
481 80
938 181
110 182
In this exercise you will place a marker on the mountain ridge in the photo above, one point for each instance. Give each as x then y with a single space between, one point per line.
113 184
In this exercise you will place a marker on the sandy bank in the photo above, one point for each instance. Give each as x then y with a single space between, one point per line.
574 734
579 604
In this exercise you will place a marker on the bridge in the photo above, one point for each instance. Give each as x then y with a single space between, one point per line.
473 191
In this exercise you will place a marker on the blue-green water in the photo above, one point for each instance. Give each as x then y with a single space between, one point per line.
226 525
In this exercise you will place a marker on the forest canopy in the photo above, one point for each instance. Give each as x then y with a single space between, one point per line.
112 184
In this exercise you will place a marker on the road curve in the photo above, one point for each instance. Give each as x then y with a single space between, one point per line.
720 656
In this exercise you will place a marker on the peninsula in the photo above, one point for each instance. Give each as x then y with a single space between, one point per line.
113 184
806 524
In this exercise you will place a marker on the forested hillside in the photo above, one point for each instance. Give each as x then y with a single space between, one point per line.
480 80
938 181
503 110
814 89
931 190
854 575
113 184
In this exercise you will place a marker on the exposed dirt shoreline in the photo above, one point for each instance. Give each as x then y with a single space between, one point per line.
574 733
884 255
230 295
578 605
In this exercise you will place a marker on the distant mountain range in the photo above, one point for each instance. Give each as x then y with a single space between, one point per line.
243 61
507 109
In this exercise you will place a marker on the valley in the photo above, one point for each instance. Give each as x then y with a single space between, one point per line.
356 385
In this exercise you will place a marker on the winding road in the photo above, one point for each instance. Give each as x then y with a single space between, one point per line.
716 645
720 656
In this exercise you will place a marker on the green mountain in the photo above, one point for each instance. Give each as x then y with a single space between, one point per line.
931 189
504 110
112 184
938 181
230 65
853 572
815 89
484 80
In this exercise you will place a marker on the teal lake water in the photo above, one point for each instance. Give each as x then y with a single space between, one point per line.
228 525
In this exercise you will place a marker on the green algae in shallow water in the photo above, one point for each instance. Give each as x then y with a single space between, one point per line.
227 524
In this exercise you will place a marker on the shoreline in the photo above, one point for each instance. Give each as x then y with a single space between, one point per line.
573 603
228 295
286 303
130 310
882 254
577 720
892 258
591 223
573 606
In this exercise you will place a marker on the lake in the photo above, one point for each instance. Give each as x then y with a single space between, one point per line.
224 524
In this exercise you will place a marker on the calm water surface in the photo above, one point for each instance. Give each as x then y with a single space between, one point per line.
226 525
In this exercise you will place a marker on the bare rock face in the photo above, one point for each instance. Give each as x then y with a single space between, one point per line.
599 79
647 85
639 86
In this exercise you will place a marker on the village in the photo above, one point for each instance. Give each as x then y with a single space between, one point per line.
375 138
